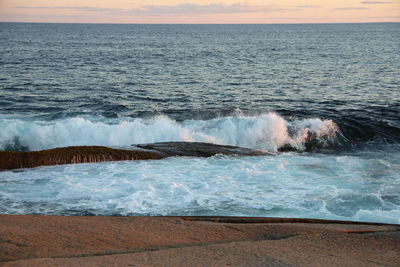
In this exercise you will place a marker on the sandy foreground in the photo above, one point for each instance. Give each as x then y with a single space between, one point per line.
27 240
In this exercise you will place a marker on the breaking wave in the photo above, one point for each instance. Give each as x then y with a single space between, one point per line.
268 131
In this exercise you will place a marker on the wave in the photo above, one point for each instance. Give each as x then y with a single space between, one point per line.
268 131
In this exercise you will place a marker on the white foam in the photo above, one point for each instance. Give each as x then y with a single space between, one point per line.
266 131
287 185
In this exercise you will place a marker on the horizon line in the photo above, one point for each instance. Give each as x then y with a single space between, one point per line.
270 23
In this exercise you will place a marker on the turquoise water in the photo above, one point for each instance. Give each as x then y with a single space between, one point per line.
346 187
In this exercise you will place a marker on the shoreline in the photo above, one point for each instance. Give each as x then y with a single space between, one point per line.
40 240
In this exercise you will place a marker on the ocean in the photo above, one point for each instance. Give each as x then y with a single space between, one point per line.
255 86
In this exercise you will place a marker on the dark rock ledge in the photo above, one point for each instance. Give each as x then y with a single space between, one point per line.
197 149
83 154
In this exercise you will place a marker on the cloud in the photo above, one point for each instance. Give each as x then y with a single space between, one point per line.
383 17
299 18
308 6
76 8
179 9
375 2
351 8
188 8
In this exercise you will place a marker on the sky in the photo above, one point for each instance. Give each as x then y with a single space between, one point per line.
199 11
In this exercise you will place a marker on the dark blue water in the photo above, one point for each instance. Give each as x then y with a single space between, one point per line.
259 86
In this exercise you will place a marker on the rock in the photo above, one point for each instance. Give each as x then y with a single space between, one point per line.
29 240
197 149
83 154
67 155
287 148
312 143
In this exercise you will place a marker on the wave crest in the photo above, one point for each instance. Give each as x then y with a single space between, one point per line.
267 131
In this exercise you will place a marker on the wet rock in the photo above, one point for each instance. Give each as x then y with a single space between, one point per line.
84 154
198 149
69 155
287 148
312 143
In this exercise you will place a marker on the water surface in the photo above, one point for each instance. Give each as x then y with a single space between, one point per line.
257 86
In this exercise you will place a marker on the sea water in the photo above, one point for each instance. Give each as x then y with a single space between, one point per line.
256 86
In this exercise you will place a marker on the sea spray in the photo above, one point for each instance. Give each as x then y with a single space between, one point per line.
267 131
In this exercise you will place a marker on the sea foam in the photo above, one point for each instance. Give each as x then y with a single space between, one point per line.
267 131
357 187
